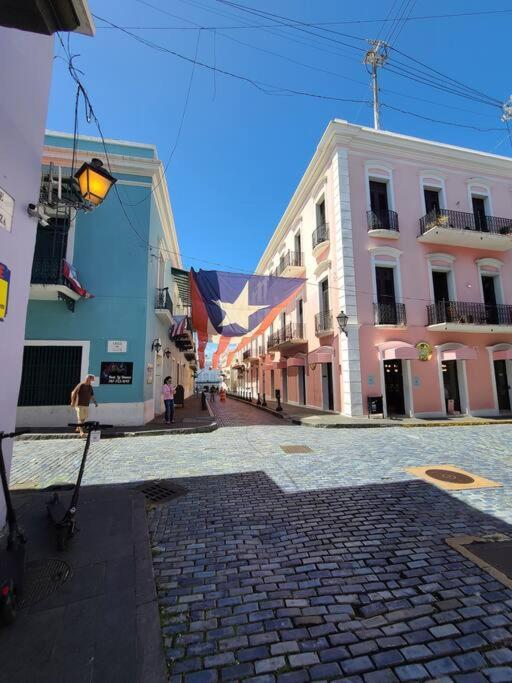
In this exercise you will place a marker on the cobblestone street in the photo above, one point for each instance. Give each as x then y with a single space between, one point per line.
323 565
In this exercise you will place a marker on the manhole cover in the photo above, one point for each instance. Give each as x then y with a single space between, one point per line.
161 491
42 578
450 476
296 449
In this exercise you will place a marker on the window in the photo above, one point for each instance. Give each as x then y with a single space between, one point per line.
297 246
480 212
432 200
50 250
50 373
300 312
320 213
379 197
324 295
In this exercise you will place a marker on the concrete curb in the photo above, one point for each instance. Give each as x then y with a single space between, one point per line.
121 435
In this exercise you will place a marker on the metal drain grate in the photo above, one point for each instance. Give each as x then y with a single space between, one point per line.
450 475
296 449
42 579
161 491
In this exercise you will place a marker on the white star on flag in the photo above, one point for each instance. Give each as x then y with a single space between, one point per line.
238 312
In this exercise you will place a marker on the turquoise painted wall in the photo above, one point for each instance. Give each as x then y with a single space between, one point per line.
113 265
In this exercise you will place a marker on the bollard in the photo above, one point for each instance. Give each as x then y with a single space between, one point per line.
263 403
258 402
203 401
279 408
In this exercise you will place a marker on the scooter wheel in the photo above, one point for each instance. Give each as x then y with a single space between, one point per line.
62 538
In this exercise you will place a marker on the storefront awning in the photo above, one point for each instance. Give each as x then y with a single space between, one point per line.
296 362
323 354
505 354
462 353
395 350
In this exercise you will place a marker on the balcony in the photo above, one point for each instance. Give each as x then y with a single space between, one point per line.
323 323
292 334
461 229
462 316
320 239
261 351
383 224
47 282
182 336
389 314
291 265
250 356
163 305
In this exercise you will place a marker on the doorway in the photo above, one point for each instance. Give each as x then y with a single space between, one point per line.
489 292
302 385
480 213
502 385
394 387
432 203
327 390
284 382
451 385
385 283
272 394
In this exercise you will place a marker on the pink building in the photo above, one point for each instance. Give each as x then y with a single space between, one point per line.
412 240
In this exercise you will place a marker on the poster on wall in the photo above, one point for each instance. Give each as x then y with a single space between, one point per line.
116 372
5 279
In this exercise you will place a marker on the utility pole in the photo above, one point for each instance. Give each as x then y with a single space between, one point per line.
375 57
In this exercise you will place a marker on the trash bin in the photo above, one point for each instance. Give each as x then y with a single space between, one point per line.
179 396
375 405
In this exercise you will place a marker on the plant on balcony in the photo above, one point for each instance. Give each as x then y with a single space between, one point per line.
506 230
438 221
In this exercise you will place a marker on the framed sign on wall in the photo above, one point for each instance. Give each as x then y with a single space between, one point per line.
116 372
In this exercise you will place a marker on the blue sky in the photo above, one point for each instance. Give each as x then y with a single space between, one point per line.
241 152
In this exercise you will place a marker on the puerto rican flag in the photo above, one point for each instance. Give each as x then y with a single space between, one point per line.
235 306
71 276
178 328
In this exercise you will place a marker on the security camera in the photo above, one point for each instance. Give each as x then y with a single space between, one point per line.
37 211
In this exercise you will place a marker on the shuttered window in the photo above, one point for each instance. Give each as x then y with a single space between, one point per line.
49 375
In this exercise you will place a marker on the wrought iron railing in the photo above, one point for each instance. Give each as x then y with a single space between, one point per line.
469 313
321 234
382 220
163 299
288 332
323 321
291 258
389 314
47 270
460 220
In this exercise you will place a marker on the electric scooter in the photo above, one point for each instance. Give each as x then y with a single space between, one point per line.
12 559
64 516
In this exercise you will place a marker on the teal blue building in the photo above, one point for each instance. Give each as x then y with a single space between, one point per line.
111 313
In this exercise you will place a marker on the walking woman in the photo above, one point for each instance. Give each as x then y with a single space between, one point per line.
168 391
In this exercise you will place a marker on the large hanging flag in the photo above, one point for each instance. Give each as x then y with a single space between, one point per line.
234 305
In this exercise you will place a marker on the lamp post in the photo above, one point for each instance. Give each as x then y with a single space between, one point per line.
94 181
342 319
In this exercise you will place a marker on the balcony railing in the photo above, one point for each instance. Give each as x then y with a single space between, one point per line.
321 234
460 220
389 314
323 321
289 332
468 313
291 258
47 271
382 220
163 300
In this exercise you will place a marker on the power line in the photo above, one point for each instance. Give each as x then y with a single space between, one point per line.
318 24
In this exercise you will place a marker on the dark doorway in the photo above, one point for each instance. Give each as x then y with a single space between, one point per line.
385 280
324 296
489 291
272 386
451 384
320 213
479 212
284 381
502 385
394 385
327 390
440 282
300 312
379 197
302 385
432 204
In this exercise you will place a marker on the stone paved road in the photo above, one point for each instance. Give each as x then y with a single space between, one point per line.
319 566
232 413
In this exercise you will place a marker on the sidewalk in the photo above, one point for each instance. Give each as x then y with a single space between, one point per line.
102 624
190 419
309 417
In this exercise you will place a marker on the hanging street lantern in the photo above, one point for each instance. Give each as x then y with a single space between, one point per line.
94 181
342 319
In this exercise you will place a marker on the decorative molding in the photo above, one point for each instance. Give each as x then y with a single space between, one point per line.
385 251
439 256
492 262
